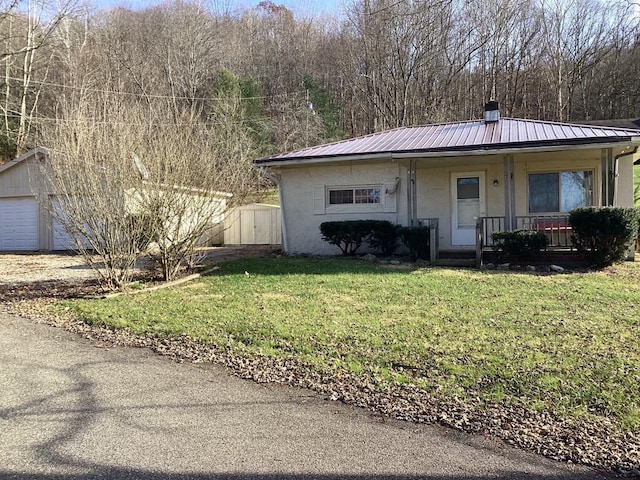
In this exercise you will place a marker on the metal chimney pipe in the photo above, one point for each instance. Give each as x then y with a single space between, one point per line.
491 112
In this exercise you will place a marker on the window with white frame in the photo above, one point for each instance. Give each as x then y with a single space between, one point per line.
560 191
354 195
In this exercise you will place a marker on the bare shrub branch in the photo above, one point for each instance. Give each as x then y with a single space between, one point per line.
186 173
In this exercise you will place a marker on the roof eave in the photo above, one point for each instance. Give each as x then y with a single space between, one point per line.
266 162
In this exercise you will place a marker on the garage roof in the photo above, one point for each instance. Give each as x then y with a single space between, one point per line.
38 152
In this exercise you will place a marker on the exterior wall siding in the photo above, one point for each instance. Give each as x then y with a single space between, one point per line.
576 160
14 182
300 189
624 194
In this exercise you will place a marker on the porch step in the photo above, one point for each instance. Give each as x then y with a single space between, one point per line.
456 258
454 262
457 254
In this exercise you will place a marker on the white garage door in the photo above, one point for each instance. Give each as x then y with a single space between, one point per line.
18 224
61 239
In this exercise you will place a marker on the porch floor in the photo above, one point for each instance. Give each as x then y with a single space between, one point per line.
564 257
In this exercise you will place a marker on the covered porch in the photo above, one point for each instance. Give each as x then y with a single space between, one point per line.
476 196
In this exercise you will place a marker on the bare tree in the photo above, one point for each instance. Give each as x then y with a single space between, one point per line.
29 30
386 63
577 35
130 175
89 173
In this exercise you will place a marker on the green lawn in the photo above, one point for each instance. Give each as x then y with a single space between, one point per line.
565 343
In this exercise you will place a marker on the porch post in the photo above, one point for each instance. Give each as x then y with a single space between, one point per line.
433 241
479 242
412 202
608 177
509 193
512 197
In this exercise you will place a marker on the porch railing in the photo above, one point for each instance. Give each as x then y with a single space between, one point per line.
555 227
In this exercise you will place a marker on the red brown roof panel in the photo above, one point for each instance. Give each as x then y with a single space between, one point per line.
462 136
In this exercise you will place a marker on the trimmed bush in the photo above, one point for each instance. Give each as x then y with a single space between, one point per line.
349 235
383 236
520 243
606 233
416 239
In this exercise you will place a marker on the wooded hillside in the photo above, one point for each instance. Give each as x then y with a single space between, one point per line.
280 80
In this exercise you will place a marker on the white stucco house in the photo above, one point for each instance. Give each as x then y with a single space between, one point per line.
26 203
464 179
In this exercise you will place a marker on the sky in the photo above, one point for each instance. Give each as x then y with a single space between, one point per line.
297 6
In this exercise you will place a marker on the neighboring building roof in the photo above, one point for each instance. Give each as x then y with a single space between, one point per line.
470 136
626 123
38 152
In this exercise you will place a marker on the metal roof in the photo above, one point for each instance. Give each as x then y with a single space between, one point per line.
624 123
507 133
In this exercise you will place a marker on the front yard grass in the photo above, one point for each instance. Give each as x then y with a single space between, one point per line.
567 344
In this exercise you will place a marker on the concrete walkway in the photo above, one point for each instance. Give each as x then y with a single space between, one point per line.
72 410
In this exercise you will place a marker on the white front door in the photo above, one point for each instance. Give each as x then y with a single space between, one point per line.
467 205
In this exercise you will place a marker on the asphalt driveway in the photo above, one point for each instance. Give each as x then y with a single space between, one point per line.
72 410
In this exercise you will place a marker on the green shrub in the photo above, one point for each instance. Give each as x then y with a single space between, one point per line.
521 243
349 235
638 230
346 235
606 233
383 236
416 239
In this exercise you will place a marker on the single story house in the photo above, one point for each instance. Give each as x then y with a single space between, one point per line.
464 179
26 221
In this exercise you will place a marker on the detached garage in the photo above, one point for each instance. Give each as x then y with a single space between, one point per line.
25 225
